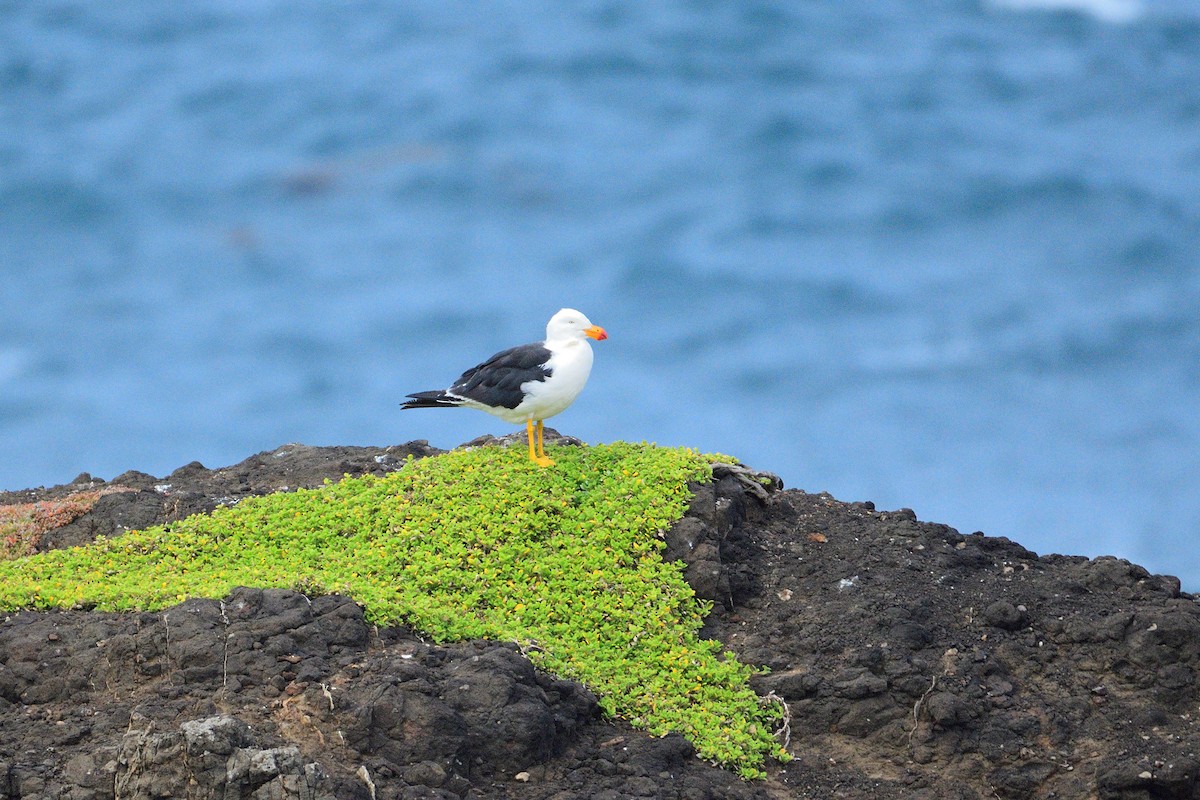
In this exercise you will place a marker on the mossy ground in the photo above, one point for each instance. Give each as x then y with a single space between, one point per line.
471 544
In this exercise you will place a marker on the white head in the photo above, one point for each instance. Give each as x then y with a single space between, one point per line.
570 324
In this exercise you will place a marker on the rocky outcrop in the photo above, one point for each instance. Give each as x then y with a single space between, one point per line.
915 661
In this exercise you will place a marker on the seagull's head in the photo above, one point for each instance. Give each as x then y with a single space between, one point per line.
571 324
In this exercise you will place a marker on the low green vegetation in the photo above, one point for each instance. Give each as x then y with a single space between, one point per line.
471 544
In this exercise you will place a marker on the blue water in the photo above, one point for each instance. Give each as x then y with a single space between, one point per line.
942 255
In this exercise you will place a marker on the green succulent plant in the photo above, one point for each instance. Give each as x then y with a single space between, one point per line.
470 544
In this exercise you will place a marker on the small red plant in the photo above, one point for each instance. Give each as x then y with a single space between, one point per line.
22 525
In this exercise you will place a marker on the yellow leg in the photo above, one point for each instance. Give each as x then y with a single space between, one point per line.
539 456
541 448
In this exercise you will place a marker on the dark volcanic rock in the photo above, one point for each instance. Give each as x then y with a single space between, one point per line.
927 663
915 661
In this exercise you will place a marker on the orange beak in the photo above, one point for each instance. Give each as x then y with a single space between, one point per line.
596 332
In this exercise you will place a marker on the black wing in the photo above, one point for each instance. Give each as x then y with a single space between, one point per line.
497 381
437 399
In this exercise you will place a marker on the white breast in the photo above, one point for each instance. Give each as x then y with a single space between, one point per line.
570 365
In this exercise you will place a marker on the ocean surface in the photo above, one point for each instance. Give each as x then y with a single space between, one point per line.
940 255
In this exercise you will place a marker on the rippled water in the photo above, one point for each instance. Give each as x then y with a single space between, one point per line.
939 255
